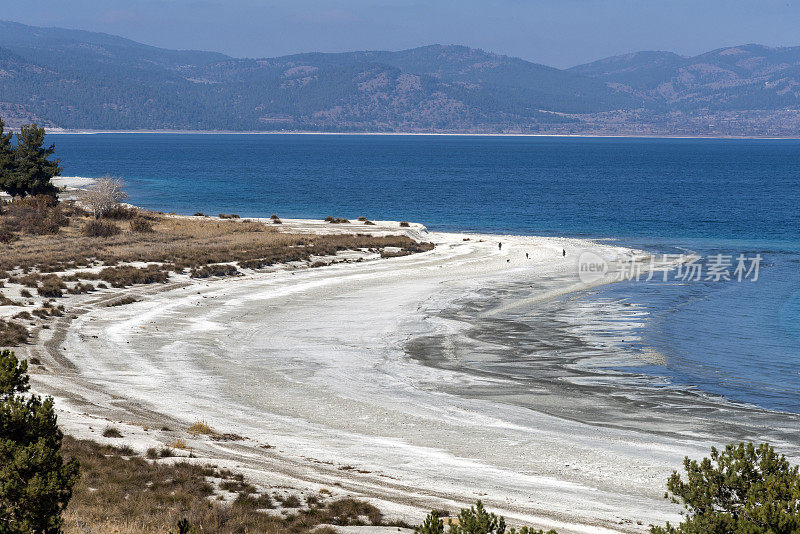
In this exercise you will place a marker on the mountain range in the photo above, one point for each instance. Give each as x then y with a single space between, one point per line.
80 80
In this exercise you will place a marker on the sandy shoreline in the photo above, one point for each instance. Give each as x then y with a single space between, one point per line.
322 372
59 131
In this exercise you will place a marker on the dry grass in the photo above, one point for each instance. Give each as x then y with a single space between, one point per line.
125 494
201 427
182 242
12 334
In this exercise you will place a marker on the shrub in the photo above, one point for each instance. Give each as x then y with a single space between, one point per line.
274 217
335 220
35 483
111 432
80 288
291 502
245 500
121 213
200 427
127 275
431 525
369 223
228 216
37 215
12 334
122 301
744 489
277 221
152 453
348 511
472 520
6 235
200 214
95 228
405 224
142 225
51 286
214 270
103 196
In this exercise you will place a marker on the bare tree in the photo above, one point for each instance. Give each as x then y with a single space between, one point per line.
104 194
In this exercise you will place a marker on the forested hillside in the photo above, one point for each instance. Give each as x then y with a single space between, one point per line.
81 80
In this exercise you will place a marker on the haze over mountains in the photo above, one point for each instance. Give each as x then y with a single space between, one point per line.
81 80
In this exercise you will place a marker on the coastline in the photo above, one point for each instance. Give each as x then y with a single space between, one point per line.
312 364
58 131
388 380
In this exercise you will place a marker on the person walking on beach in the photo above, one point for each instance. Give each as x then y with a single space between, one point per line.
526 256
500 245
563 252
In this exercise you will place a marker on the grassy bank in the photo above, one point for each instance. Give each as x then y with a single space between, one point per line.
121 492
52 250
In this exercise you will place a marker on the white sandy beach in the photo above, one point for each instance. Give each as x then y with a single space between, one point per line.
312 363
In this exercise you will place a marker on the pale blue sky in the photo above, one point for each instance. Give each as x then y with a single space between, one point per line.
561 33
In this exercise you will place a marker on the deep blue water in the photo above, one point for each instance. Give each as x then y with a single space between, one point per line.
741 340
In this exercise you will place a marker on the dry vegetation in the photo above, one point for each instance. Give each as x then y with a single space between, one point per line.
58 249
123 493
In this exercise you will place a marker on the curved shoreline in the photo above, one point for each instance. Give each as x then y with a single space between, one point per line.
313 363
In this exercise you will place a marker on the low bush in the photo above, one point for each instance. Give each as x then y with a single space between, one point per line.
6 235
97 228
120 213
12 334
228 216
291 501
335 220
127 275
51 286
200 427
472 520
405 224
142 225
80 288
214 270
254 502
122 301
111 432
38 215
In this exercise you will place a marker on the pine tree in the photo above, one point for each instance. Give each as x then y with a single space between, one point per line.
32 171
35 483
6 155
745 488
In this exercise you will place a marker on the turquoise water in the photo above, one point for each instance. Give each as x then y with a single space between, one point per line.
740 340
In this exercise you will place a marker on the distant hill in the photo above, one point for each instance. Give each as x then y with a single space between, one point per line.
82 80
749 77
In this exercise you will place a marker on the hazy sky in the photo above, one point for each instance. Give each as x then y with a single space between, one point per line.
555 32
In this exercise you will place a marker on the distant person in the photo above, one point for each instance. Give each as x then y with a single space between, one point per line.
500 246
527 257
563 252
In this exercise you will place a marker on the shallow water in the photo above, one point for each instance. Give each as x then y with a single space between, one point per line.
736 339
